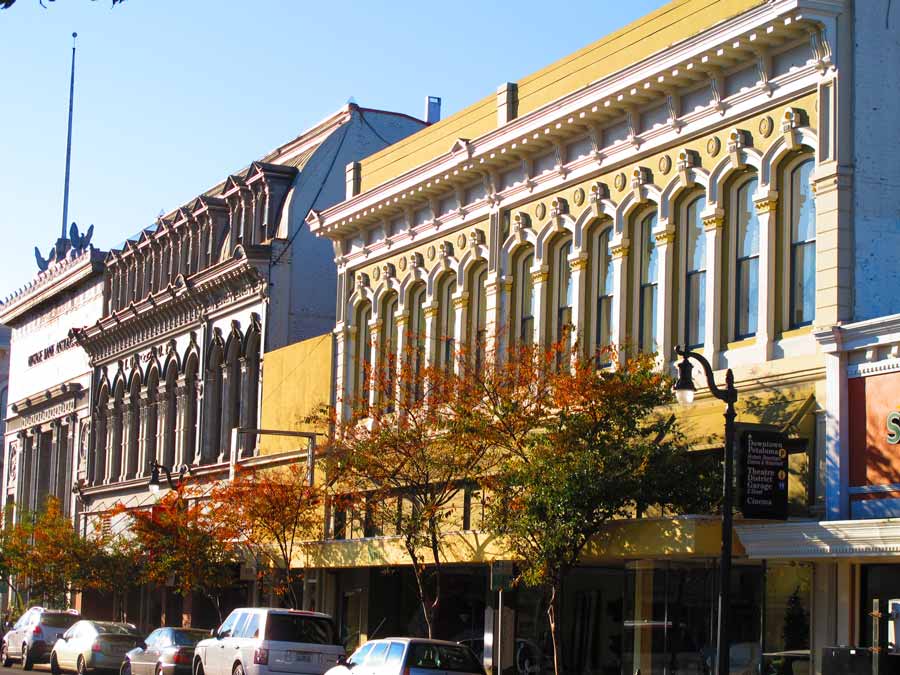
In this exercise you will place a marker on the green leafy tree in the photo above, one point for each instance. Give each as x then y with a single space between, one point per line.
593 447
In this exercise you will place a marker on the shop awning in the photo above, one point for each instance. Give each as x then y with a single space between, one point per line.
874 538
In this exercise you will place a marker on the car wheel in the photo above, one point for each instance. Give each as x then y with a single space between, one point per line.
81 666
125 669
54 665
158 669
4 656
238 669
198 667
27 661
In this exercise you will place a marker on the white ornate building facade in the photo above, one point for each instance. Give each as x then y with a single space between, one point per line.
192 305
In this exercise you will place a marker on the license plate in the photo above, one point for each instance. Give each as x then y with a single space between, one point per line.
117 651
298 657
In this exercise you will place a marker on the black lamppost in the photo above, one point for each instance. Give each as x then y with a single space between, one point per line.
684 392
155 467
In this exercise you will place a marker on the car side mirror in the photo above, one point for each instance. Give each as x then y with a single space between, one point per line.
342 660
223 634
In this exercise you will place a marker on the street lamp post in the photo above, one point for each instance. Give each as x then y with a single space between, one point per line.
684 392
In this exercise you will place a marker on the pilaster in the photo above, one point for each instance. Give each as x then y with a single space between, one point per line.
833 185
578 266
619 261
540 278
714 224
767 214
665 304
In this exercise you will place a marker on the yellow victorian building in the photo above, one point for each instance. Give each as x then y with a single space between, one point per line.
680 181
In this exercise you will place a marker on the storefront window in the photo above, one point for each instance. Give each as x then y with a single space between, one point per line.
786 621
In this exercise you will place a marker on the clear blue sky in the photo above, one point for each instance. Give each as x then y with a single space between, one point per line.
173 95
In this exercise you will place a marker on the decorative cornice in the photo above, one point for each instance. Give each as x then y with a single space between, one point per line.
611 96
879 332
59 276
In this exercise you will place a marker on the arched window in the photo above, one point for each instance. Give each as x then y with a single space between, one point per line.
446 321
134 428
98 474
363 366
801 212
116 449
150 434
561 291
190 414
648 268
746 261
524 298
694 240
478 316
388 363
250 393
212 401
231 389
417 339
170 411
603 293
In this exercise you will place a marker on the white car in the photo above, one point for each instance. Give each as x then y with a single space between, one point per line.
410 656
266 641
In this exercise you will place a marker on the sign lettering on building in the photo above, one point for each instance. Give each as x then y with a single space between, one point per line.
765 475
50 351
51 413
893 427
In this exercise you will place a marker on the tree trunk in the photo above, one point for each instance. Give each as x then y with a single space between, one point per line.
438 569
552 615
420 586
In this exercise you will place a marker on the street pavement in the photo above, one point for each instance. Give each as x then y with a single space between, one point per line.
16 669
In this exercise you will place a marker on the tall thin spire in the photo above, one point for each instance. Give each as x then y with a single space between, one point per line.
65 216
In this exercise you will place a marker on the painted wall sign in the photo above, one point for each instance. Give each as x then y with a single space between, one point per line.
765 474
893 427
50 351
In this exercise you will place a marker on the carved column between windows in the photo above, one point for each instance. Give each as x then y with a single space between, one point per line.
71 459
503 315
26 468
125 469
56 460
195 396
460 305
766 204
228 383
375 331
713 224
113 442
101 441
181 402
578 267
162 422
432 339
540 277
343 354
493 299
665 303
620 305
401 326
145 453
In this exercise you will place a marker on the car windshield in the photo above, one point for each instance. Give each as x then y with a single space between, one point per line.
455 658
58 619
299 628
115 628
188 638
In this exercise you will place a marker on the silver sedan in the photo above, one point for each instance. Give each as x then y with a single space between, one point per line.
94 645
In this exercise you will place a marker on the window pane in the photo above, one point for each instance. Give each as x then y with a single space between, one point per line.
648 319
803 213
696 236
649 258
747 222
748 292
803 301
649 264
297 628
526 300
695 310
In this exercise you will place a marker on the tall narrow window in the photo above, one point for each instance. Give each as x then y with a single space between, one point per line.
478 321
746 262
603 311
695 275
417 340
389 347
648 260
363 355
526 300
447 318
803 246
563 291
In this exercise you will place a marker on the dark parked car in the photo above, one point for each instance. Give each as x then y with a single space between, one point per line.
31 638
166 651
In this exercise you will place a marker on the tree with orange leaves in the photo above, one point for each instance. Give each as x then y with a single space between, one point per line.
182 538
274 512
407 459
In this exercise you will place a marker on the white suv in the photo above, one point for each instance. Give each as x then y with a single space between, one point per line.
266 641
